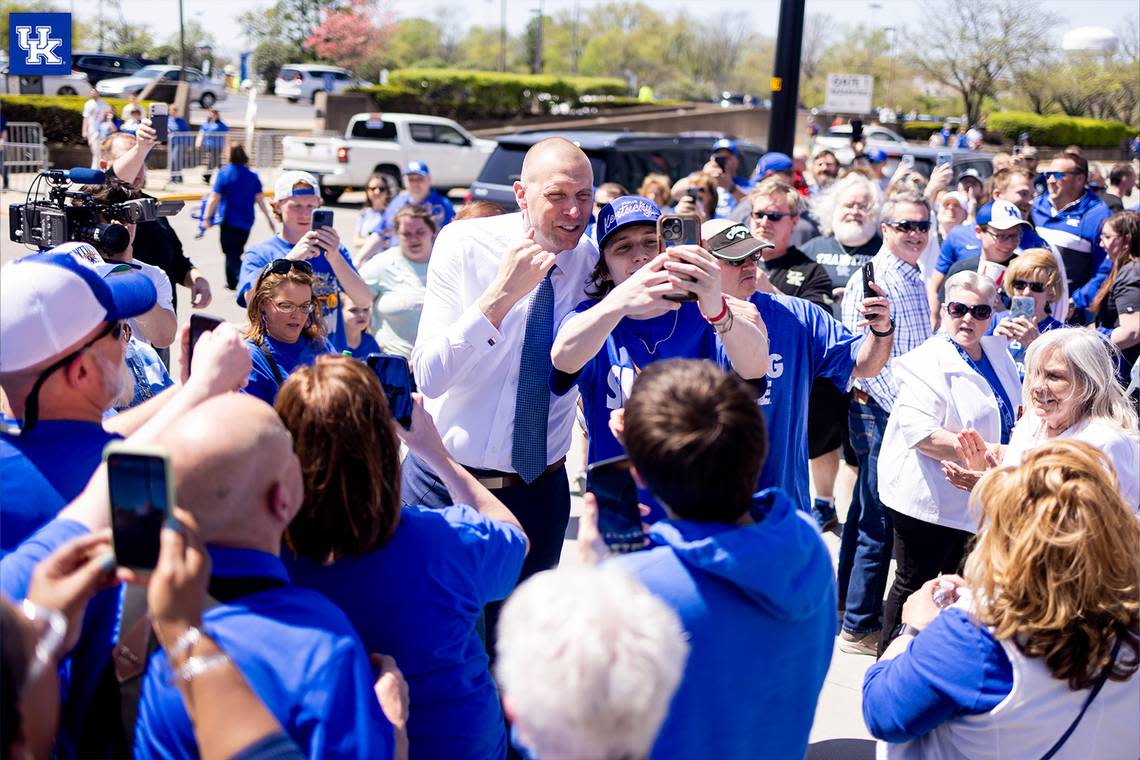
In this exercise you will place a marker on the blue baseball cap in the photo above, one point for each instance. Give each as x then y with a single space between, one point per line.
622 212
773 162
877 156
49 301
417 167
725 144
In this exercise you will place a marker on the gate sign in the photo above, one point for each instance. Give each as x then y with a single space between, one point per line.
849 93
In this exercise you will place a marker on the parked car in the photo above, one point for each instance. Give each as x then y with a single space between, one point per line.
384 143
74 83
100 66
838 139
302 81
925 159
622 157
202 89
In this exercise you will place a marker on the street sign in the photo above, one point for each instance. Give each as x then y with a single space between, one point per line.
849 93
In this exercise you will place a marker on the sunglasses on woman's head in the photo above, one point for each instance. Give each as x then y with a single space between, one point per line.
284 266
907 226
959 310
1036 287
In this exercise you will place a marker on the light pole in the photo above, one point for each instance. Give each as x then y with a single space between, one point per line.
503 35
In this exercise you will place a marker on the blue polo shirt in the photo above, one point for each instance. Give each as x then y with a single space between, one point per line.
42 470
288 356
418 598
299 654
1074 232
326 286
438 205
238 188
605 381
805 343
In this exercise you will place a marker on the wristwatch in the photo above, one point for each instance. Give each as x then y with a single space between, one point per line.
885 333
906 629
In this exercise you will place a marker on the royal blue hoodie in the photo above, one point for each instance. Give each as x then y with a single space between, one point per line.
758 604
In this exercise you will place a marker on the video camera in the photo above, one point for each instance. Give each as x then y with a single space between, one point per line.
52 222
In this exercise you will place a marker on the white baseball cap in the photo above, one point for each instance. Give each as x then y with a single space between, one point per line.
49 301
1005 216
284 186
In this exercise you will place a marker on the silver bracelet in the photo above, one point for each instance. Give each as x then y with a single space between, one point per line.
196 666
189 638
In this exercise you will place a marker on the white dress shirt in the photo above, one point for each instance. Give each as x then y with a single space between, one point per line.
938 390
467 369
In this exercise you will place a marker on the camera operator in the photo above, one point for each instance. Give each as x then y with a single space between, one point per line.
155 242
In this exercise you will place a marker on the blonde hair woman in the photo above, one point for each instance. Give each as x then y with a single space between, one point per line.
1037 658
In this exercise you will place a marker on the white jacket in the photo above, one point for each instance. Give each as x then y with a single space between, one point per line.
937 389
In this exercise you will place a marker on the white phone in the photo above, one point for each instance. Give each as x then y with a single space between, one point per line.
1022 306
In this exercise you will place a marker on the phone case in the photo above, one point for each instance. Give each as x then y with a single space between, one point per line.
130 449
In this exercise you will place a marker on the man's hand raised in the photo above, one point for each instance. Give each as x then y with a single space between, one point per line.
521 268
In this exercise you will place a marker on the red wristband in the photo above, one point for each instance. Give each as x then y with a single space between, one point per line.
718 317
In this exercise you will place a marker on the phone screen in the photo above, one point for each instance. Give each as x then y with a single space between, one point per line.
1022 306
619 520
396 379
140 501
868 277
200 324
322 217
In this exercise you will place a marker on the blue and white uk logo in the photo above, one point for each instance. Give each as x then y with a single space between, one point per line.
39 44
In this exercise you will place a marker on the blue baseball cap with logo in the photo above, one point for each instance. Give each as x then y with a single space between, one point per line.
725 144
773 162
877 155
416 167
622 212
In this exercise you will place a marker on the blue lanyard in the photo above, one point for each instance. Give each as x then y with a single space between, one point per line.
999 394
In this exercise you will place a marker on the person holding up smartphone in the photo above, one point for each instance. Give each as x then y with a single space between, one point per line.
1033 283
634 318
723 166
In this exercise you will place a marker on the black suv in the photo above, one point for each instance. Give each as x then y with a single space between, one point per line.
622 157
99 66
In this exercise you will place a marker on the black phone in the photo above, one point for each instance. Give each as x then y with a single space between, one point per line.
868 278
396 379
322 217
141 491
695 194
678 229
159 119
619 519
721 161
200 324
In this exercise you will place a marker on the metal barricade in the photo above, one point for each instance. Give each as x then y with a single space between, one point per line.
183 154
25 151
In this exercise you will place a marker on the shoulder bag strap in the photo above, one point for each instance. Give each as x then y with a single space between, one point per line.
272 363
1088 701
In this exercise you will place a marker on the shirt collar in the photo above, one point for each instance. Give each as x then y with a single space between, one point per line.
232 562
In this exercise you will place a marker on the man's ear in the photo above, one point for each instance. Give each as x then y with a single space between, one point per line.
280 505
520 194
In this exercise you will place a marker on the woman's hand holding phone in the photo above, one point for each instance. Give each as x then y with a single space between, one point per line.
422 438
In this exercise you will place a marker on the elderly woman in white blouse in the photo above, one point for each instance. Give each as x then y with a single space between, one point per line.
959 379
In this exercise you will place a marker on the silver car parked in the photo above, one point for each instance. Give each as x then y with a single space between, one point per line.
202 89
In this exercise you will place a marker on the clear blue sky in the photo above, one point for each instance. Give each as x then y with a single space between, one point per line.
219 15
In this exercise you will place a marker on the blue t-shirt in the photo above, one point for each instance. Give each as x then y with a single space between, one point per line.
418 598
214 139
805 342
288 356
605 381
44 469
369 221
368 345
299 654
238 188
326 286
438 205
954 667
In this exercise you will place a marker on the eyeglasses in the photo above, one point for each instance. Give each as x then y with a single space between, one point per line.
51 633
754 258
1005 237
775 216
959 310
1036 287
907 226
378 189
1058 176
288 307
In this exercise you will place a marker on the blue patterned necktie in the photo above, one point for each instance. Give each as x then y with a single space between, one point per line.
532 402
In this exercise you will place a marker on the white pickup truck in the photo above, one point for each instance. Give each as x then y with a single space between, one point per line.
385 142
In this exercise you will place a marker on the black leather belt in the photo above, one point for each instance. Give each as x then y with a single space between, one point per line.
493 480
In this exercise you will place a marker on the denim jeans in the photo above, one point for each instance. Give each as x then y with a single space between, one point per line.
865 547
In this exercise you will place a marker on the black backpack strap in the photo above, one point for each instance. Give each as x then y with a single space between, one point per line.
1088 701
272 363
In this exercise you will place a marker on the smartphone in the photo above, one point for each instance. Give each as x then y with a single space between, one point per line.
695 194
322 217
720 161
141 490
619 520
678 229
945 157
396 379
907 161
868 278
1021 306
159 120
200 324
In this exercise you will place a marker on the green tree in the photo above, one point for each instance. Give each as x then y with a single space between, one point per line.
480 49
414 42
628 40
288 21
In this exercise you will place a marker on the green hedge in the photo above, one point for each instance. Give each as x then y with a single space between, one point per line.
920 130
1059 130
61 116
472 95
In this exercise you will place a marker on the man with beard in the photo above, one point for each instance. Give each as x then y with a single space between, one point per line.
824 170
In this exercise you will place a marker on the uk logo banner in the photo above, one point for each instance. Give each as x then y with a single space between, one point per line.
39 44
